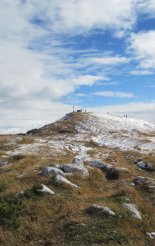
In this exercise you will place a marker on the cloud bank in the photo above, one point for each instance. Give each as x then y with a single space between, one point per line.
40 66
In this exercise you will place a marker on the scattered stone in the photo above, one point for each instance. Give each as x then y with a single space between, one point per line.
45 189
52 171
75 168
99 164
144 165
133 209
141 180
151 235
94 208
58 179
36 190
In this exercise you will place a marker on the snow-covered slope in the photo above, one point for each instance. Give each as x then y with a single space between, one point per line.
109 130
115 123
118 132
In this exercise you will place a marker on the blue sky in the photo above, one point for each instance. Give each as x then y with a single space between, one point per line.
93 54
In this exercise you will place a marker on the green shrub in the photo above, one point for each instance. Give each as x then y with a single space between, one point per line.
10 209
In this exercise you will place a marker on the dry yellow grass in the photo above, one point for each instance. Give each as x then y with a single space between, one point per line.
62 219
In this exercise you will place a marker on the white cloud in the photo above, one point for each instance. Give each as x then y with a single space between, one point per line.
36 70
31 114
114 94
84 15
141 72
87 80
142 46
110 60
139 110
147 7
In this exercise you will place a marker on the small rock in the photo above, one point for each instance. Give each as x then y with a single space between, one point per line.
52 171
151 235
75 168
102 209
35 190
45 189
58 179
99 164
140 180
144 165
133 209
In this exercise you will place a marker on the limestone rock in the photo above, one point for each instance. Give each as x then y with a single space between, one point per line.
58 179
99 164
144 165
101 209
75 168
51 171
133 209
151 235
45 189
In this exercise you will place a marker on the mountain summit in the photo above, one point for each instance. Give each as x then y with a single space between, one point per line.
109 130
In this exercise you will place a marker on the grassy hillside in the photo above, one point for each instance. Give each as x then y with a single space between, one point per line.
66 217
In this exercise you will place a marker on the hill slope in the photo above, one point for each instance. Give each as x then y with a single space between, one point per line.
81 180
109 130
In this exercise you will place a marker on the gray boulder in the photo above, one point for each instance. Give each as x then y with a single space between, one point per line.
144 165
51 171
99 164
140 180
75 168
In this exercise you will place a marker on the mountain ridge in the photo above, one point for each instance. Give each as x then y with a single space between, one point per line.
71 119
